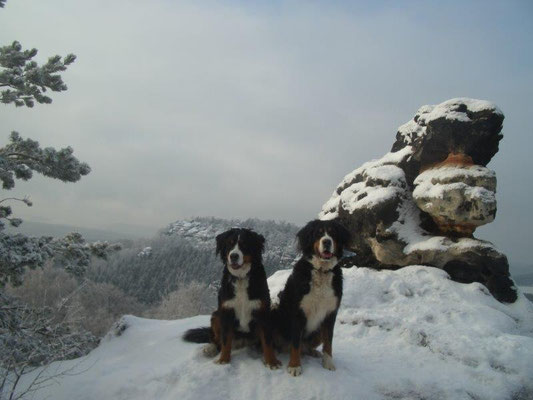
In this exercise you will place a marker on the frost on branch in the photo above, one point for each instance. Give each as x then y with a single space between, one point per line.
31 337
25 80
71 252
20 157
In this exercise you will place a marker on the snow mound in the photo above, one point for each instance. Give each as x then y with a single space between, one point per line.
406 334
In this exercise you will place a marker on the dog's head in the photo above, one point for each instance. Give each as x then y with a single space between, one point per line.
323 242
239 249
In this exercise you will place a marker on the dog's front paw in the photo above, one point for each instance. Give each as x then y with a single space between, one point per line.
327 362
273 364
210 350
295 371
222 361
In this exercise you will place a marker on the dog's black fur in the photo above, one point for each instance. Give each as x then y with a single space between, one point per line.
322 277
240 290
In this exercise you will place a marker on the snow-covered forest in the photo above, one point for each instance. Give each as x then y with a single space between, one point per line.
184 252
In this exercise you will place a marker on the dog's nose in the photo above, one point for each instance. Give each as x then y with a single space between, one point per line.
234 257
326 243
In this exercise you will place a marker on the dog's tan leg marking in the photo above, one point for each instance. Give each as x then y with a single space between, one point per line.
225 352
327 360
295 367
268 352
216 329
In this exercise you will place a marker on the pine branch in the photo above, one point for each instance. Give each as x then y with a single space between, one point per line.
26 80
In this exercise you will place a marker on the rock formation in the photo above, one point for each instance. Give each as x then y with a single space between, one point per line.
421 203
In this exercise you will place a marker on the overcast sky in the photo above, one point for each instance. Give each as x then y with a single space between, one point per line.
258 109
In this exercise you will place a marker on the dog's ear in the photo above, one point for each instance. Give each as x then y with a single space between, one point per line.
256 240
260 240
305 238
343 235
221 242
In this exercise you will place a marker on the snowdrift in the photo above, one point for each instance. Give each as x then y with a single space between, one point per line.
406 334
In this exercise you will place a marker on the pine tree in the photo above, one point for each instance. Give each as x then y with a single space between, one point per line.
23 82
28 336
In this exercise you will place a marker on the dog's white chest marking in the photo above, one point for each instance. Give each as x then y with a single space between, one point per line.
242 305
320 301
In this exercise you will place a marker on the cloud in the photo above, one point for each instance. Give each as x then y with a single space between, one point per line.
237 109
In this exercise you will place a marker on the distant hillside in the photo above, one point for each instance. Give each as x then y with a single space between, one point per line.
56 230
184 251
201 232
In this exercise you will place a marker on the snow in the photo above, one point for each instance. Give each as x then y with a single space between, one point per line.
427 190
434 183
202 233
145 252
406 334
526 289
484 195
390 158
408 229
390 174
454 173
354 193
429 244
411 130
443 243
448 110
359 196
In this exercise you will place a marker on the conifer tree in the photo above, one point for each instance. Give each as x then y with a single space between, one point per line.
29 337
23 82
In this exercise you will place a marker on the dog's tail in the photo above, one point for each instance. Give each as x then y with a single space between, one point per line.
198 335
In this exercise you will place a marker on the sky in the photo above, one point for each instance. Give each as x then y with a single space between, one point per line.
241 109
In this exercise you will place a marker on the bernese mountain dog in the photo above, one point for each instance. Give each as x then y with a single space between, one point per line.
243 312
305 316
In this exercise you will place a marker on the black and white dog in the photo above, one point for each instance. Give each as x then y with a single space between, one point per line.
305 316
243 299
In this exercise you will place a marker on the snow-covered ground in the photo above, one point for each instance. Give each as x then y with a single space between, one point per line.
406 334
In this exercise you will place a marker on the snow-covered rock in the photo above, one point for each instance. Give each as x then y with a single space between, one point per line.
469 125
458 198
421 202
145 252
406 334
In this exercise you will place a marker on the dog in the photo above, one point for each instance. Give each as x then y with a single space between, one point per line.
243 311
308 305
